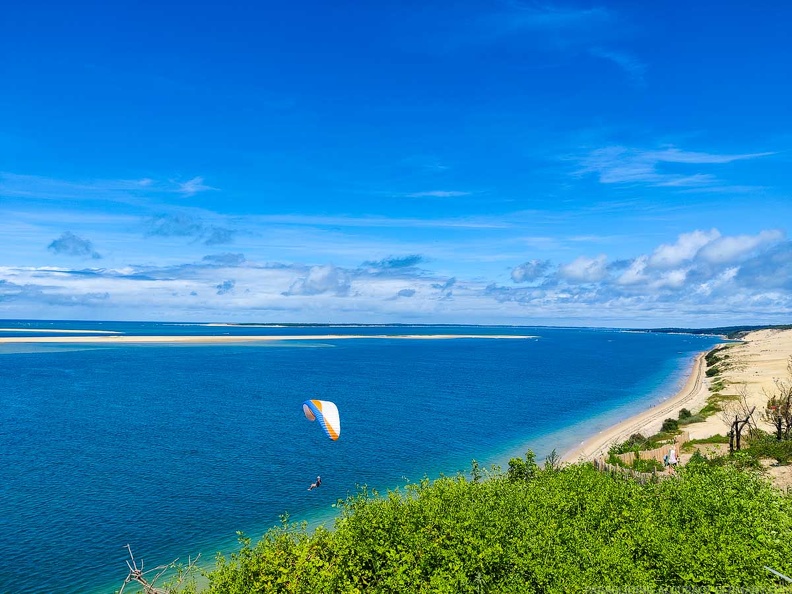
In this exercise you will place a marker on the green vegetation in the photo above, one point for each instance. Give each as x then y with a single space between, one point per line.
690 418
717 361
686 418
712 371
716 355
531 529
648 465
759 445
768 447
639 464
688 446
637 443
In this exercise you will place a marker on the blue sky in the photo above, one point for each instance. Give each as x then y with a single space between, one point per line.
571 163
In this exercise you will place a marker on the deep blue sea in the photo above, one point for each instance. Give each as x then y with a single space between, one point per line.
174 448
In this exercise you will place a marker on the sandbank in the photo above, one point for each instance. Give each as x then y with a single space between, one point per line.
754 364
226 338
59 331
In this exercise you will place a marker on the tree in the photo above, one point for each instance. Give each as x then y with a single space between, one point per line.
737 415
778 410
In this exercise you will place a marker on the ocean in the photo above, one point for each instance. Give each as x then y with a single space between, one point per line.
172 449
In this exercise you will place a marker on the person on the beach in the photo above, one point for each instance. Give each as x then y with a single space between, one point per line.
318 483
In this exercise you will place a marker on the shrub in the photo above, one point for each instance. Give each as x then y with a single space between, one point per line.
635 442
697 418
670 425
767 446
523 470
648 465
684 414
711 529
613 458
717 438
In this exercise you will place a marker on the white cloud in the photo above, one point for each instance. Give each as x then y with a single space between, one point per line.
321 279
674 155
193 186
685 248
723 279
730 249
623 165
742 277
530 271
137 192
672 279
635 273
438 194
584 270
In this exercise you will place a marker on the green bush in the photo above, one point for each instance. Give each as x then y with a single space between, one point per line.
716 355
670 425
697 418
636 441
648 465
767 446
522 470
684 414
568 530
613 458
717 438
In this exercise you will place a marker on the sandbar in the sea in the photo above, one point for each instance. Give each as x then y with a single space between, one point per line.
58 331
192 339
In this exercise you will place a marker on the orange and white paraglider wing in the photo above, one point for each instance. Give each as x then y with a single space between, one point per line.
326 413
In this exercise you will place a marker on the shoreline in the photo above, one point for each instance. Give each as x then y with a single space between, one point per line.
127 339
693 394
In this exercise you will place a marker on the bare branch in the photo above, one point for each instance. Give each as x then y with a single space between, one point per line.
136 574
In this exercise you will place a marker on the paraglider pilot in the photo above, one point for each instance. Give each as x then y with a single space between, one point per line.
318 483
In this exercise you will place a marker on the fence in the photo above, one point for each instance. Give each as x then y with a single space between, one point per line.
628 459
641 477
657 453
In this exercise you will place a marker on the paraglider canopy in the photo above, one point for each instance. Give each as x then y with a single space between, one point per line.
327 413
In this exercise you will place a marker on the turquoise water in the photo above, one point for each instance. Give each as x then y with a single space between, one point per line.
172 449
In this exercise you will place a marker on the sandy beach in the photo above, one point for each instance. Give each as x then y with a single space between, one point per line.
753 366
692 396
126 339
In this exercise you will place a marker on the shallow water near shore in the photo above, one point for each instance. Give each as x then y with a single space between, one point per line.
172 449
